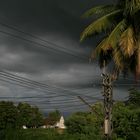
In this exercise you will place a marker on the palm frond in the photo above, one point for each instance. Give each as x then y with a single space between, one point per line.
112 40
115 72
99 10
131 7
118 58
96 52
128 42
100 24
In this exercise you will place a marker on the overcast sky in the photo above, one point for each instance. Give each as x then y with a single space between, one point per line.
60 60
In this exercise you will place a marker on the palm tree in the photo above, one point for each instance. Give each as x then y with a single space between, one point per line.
119 25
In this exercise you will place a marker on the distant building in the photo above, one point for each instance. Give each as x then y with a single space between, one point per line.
44 126
24 127
50 123
61 123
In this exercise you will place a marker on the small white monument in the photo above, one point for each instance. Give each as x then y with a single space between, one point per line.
24 127
61 124
44 126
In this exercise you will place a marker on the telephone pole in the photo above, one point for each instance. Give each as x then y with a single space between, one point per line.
108 103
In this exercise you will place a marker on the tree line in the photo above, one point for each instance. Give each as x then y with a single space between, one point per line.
15 116
87 125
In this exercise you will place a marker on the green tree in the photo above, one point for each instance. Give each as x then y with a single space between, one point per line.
119 25
134 97
29 116
126 118
36 119
8 115
25 114
86 122
53 117
126 121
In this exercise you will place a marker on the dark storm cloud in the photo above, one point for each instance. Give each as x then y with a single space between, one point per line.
59 22
56 21
62 16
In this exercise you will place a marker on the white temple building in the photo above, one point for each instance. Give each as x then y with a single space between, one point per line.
24 127
61 123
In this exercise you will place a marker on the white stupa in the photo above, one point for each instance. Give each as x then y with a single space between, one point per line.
24 127
61 124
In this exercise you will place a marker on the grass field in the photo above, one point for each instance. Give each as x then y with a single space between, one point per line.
40 134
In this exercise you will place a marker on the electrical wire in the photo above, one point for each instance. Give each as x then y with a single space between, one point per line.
36 37
72 93
41 45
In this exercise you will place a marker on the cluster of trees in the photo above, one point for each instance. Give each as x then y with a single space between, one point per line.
86 124
12 116
126 118
15 116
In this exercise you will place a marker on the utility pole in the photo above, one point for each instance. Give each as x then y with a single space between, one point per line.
108 104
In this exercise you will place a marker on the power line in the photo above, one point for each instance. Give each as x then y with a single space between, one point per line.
89 105
55 104
75 108
21 84
95 98
24 81
40 84
48 101
58 104
34 83
34 36
48 97
38 96
63 104
42 45
54 96
70 92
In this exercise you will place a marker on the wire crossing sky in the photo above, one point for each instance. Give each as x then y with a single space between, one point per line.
41 59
